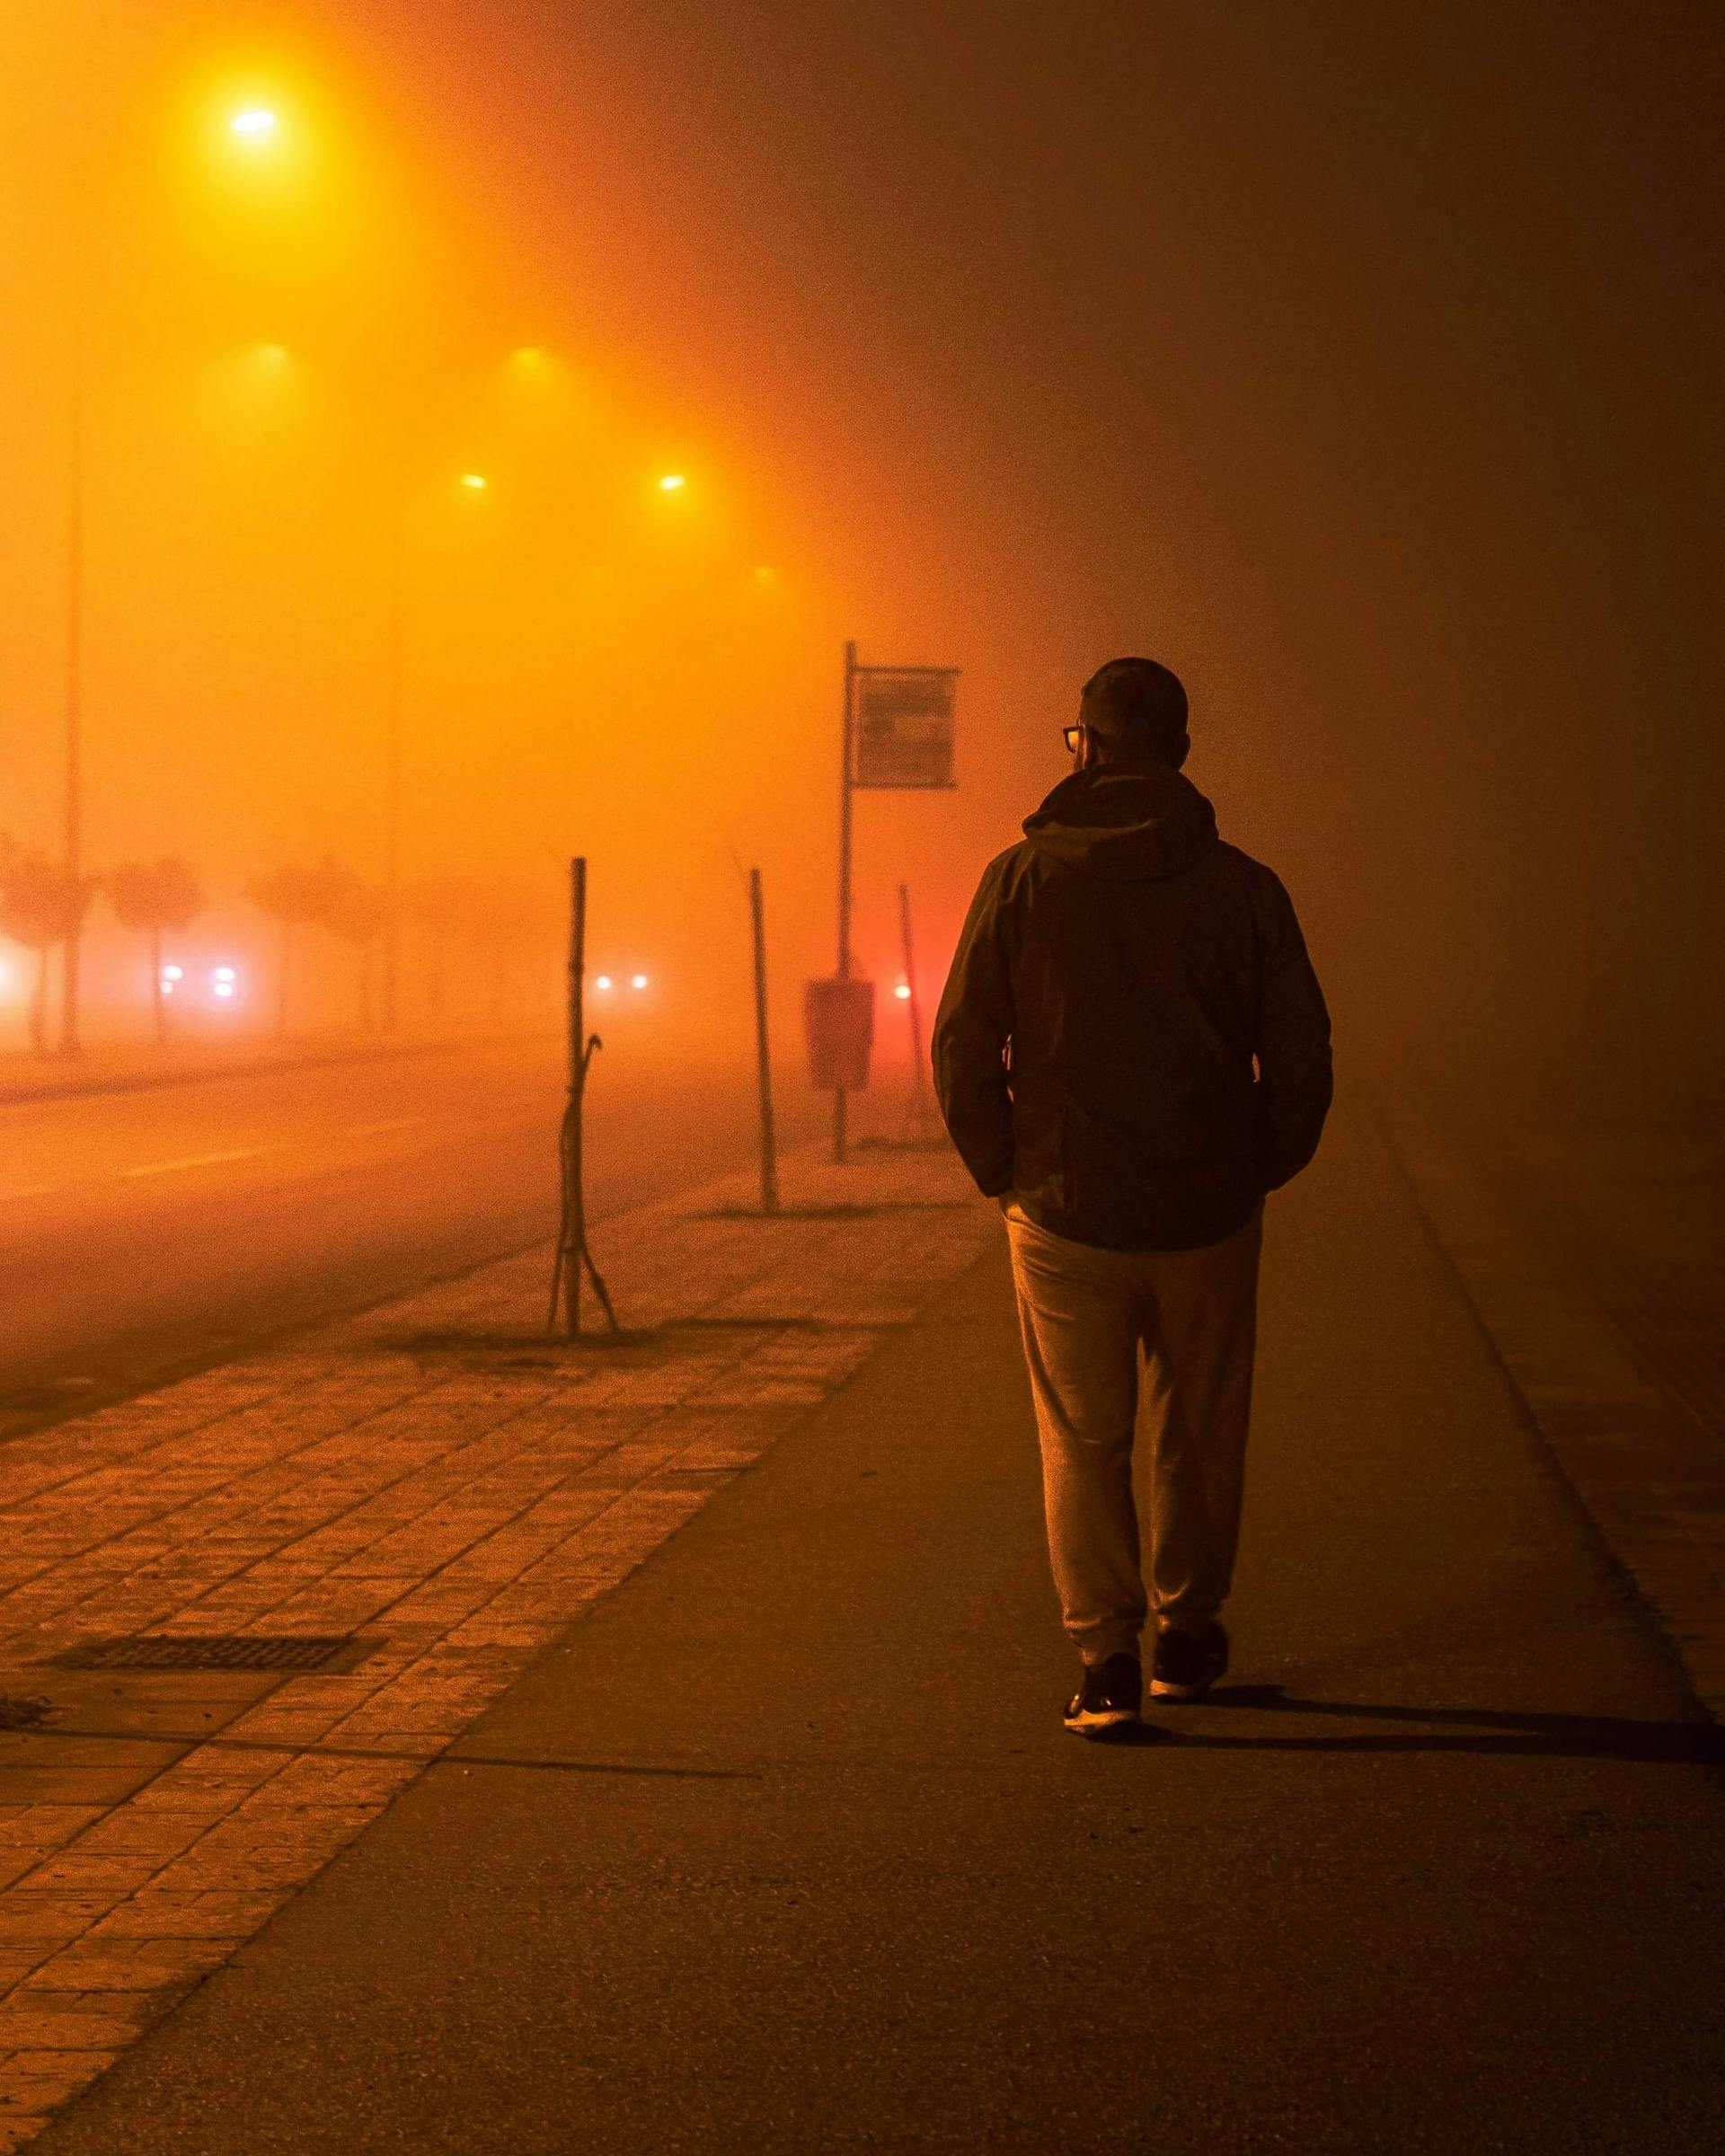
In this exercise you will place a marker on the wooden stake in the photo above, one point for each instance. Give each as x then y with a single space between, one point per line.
573 1253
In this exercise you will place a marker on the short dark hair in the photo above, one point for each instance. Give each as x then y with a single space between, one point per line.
1140 706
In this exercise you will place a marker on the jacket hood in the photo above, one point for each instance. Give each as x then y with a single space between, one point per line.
1130 826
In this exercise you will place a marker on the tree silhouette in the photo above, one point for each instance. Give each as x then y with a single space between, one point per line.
41 902
503 918
355 911
155 896
443 904
294 897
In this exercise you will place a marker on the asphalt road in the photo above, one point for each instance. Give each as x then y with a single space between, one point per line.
785 1849
142 1233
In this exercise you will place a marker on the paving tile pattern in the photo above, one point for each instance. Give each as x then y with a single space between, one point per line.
436 1474
1650 1473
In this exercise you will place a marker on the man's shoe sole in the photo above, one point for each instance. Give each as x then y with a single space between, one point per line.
1161 1688
1181 1693
1100 1721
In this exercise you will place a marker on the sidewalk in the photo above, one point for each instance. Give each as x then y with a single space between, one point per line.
436 1471
781 1846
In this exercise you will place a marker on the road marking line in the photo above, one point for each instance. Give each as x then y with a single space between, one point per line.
371 1130
197 1160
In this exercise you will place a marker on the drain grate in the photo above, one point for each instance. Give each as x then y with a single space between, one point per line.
211 1650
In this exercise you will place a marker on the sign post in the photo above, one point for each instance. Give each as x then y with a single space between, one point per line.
846 784
914 1009
896 737
763 1051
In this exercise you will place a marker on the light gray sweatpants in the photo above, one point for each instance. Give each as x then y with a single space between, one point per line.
1110 1336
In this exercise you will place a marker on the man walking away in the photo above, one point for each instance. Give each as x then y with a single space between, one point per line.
1132 1050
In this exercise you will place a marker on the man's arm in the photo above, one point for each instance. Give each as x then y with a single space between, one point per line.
972 1031
1294 1072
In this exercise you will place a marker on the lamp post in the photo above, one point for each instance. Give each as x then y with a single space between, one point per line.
394 634
70 1043
252 126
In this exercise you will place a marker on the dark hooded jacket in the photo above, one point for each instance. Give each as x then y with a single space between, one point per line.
1132 1037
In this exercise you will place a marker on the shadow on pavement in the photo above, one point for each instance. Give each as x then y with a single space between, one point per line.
840 1211
1477 1729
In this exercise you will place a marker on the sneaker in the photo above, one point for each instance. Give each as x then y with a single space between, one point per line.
1109 1697
1187 1664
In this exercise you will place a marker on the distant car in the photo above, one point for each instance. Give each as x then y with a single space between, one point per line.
219 987
623 986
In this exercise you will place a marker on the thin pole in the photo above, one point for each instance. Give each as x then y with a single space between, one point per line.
69 1004
844 817
919 1082
572 1252
393 694
844 790
763 1051
574 1192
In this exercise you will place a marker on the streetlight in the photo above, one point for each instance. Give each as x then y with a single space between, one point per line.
252 125
74 829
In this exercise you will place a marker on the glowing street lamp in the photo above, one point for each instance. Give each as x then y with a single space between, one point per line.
672 481
252 125
474 481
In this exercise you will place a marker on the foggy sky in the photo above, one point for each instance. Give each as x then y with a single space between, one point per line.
1361 363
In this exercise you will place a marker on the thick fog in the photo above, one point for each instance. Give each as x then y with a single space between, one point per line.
1361 363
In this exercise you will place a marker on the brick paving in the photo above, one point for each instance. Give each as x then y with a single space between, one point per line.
437 1477
1648 1469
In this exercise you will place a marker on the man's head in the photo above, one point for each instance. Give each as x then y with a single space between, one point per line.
1133 712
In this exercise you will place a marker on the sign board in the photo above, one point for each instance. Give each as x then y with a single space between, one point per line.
904 726
838 1023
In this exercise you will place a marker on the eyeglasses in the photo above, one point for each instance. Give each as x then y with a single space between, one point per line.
1069 735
